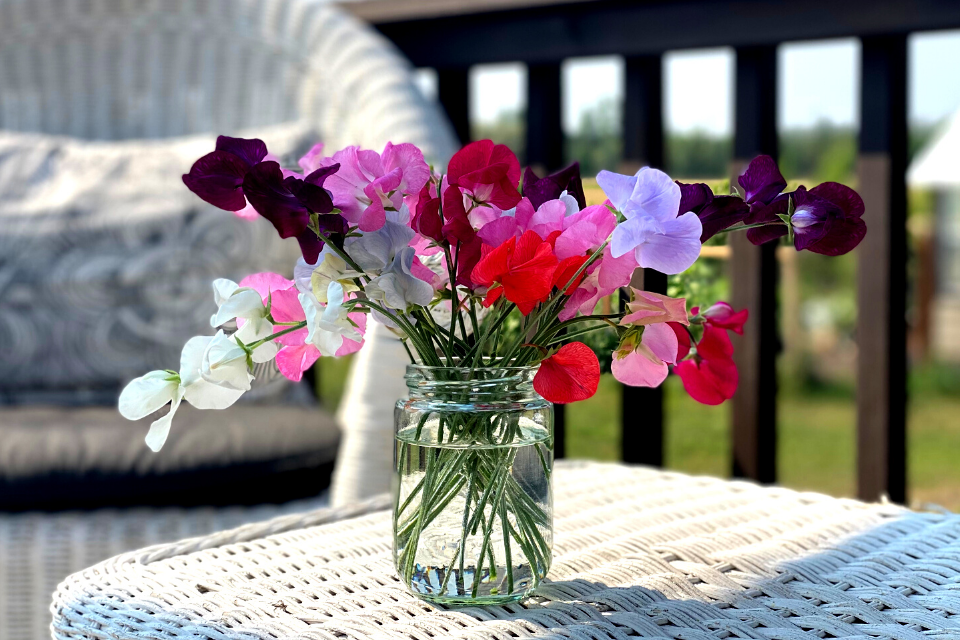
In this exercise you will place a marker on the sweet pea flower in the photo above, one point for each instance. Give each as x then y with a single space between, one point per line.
312 159
332 268
150 392
716 213
295 354
560 185
653 232
710 377
369 184
328 326
234 301
603 277
648 307
225 363
827 219
288 202
486 173
570 375
375 251
641 359
399 286
522 270
723 316
427 220
217 178
761 181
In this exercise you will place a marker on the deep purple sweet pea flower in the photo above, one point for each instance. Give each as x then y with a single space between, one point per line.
288 202
716 213
540 190
827 219
769 214
762 181
217 177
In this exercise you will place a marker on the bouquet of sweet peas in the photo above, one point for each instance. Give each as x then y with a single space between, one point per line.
445 259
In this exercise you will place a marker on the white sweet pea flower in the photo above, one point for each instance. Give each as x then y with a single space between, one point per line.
333 268
152 391
397 287
224 363
376 250
328 325
248 334
238 302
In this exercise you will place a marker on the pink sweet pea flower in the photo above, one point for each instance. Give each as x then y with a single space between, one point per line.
368 183
648 307
644 363
297 355
604 276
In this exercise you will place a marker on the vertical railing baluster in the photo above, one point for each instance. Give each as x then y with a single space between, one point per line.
753 278
544 124
453 92
641 417
545 153
882 273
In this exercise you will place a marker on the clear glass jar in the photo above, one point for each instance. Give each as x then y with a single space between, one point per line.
478 443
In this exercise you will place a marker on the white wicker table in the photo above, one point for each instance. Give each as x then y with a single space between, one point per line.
639 553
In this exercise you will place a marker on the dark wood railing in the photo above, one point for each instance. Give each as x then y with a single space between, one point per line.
452 35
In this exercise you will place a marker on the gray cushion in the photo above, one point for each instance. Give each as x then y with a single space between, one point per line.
57 458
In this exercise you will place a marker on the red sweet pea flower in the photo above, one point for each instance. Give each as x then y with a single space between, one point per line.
488 172
570 375
523 268
567 268
723 316
711 376
426 220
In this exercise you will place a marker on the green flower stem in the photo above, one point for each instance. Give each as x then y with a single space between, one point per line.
274 336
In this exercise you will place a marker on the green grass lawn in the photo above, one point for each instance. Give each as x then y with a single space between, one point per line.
816 446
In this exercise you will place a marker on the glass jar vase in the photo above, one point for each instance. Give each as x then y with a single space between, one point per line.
473 502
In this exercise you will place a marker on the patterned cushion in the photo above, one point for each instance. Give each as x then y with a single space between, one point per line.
106 259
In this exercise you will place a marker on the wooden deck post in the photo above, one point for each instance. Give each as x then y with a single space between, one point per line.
753 278
544 124
545 153
453 92
882 277
641 438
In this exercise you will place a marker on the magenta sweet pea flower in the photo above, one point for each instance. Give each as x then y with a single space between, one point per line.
653 232
486 173
827 219
217 177
369 183
540 190
287 203
722 315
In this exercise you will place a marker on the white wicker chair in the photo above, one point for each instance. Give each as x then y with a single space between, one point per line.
82 84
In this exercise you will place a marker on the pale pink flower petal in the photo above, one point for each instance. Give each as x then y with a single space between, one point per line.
294 360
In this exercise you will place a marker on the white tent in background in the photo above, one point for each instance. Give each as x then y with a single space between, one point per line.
938 165
937 168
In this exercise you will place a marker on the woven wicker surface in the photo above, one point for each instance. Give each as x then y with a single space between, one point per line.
639 552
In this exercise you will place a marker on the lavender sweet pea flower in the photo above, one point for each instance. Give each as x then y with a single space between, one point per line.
217 177
827 219
540 190
659 238
762 181
716 213
287 203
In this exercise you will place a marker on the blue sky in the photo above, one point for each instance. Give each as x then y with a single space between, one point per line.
819 81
